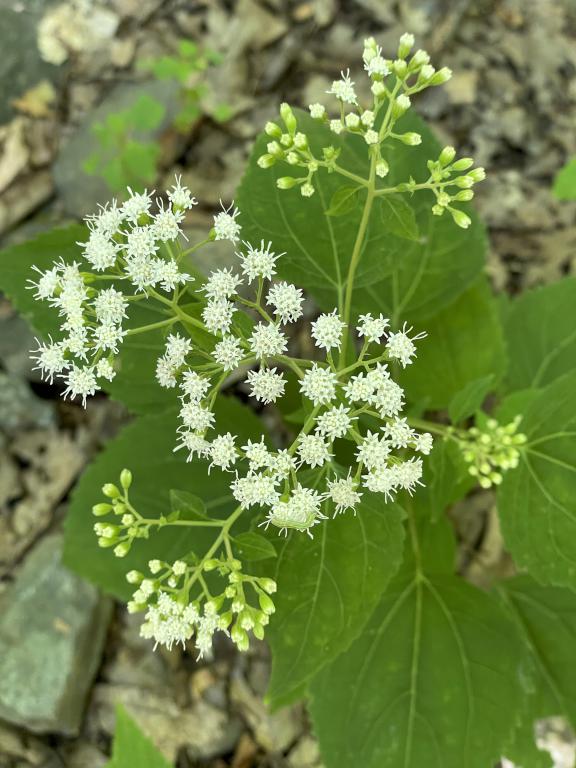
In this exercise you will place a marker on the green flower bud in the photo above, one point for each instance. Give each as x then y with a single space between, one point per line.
268 585
405 46
288 117
446 156
111 491
275 149
258 631
125 479
463 164
400 67
105 543
266 603
211 564
286 182
266 161
401 105
441 77
134 577
122 549
301 141
460 218
240 637
411 138
101 509
271 129
464 195
477 174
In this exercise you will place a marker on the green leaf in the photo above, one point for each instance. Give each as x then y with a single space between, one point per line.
146 113
187 505
470 398
132 748
327 589
433 680
546 619
343 201
537 500
464 343
146 447
397 277
446 478
565 181
541 335
253 546
398 217
140 160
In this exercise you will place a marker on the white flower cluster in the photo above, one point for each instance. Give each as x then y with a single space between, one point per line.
128 256
341 399
392 83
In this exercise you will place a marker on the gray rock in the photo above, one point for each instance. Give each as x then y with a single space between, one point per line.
81 193
21 65
19 406
52 629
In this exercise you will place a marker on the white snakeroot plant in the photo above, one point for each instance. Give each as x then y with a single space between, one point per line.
235 326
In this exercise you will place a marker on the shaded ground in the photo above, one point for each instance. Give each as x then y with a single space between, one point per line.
511 105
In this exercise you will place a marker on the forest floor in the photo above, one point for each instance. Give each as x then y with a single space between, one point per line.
511 105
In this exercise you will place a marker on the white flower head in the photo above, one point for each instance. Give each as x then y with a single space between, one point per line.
194 442
259 262
267 341
194 386
80 382
223 451
100 250
177 347
343 89
327 331
373 451
196 417
266 385
408 474
372 328
319 384
166 223
255 489
168 274
388 398
343 492
317 111
110 306
105 369
399 433
301 511
334 422
423 443
313 450
50 359
47 284
222 284
225 225
257 454
228 353
137 205
180 196
401 346
217 315
286 300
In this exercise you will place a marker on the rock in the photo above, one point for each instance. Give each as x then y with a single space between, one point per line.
305 754
23 197
14 154
19 406
75 29
205 731
274 732
461 88
19 72
81 193
52 629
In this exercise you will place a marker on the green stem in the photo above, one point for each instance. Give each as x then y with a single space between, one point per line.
429 426
356 253
152 326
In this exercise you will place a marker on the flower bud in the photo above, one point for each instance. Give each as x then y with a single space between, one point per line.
240 637
442 76
275 149
258 631
125 479
266 161
405 45
134 577
111 491
420 58
477 174
211 564
426 73
378 88
286 182
411 138
300 141
401 105
464 182
271 129
101 509
464 196
307 189
463 164
460 218
266 603
382 168
288 116
122 549
400 67
292 158
268 585
352 120
446 156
